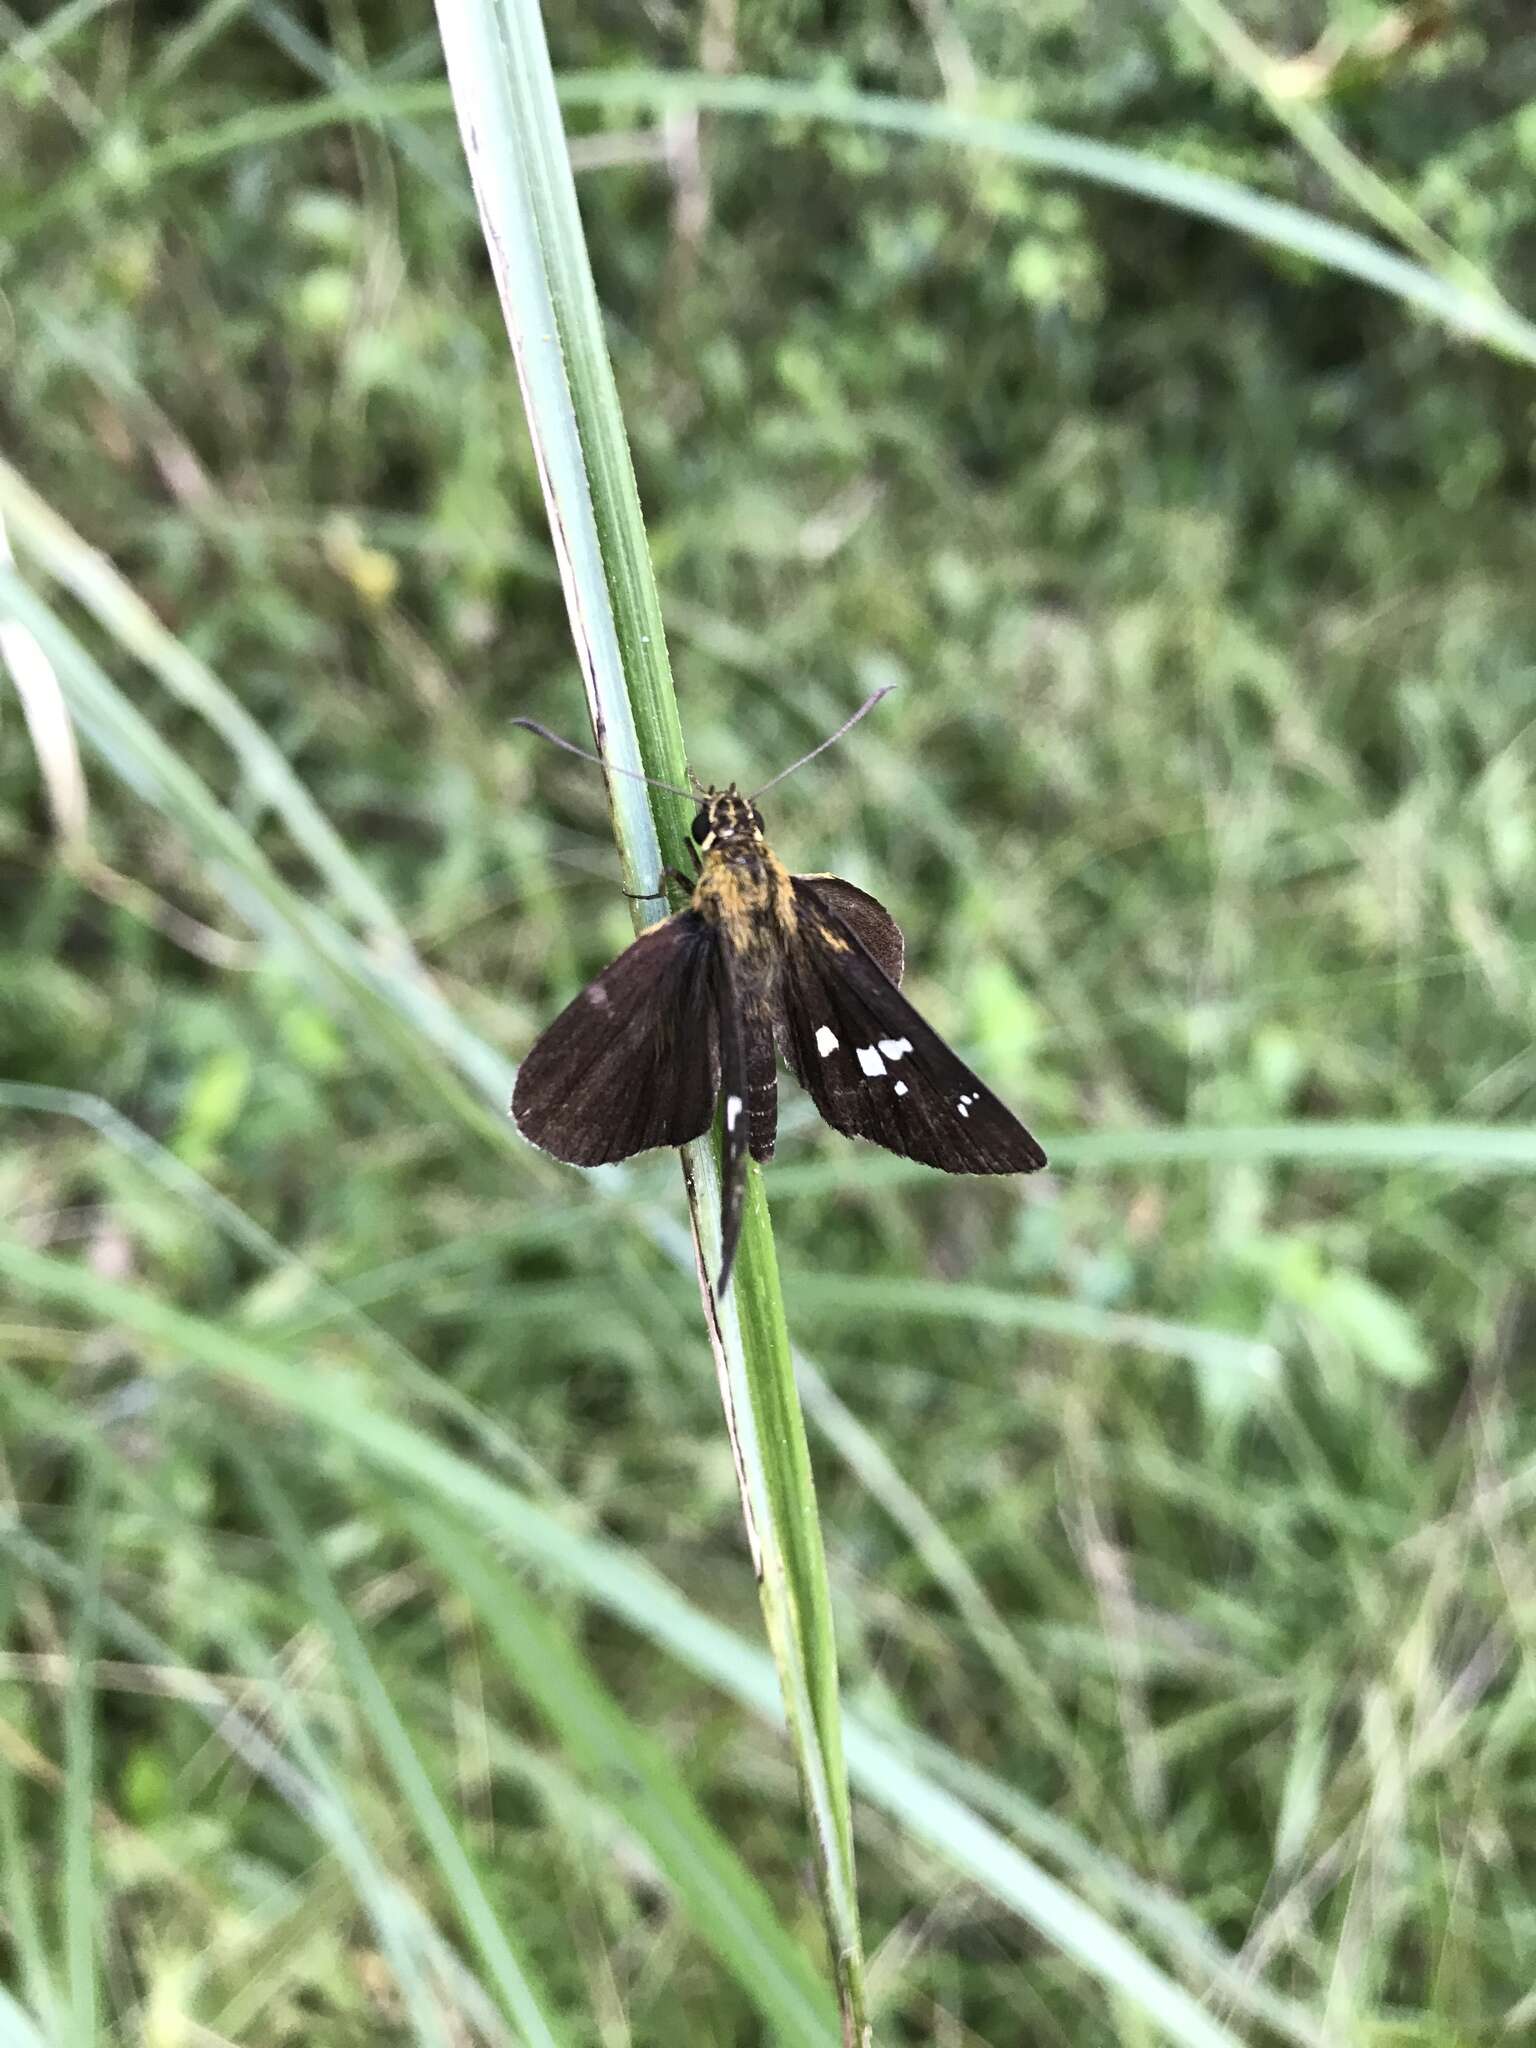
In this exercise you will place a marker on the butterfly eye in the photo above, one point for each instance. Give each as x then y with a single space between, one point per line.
757 819
699 829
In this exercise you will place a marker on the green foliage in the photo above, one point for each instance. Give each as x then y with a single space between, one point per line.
1175 1510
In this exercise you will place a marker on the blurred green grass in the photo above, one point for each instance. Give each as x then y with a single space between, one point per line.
1206 807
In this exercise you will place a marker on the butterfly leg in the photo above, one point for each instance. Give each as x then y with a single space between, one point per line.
659 895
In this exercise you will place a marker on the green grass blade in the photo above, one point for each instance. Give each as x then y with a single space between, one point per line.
562 1694
1167 1919
1447 1148
867 1458
514 146
1274 222
1270 221
54 546
951 1827
1477 1150
77 1811
1315 133
724 1902
330 1304
20 1906
16 2030
434 1050
996 1308
23 1923
648 1603
523 1998
1462 309
755 1367
509 119
309 1788
25 54
626 1771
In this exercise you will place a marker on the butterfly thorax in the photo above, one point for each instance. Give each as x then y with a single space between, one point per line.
743 888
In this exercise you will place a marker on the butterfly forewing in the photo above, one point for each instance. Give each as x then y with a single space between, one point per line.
632 1062
871 1064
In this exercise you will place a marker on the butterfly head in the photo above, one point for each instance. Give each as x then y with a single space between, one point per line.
728 820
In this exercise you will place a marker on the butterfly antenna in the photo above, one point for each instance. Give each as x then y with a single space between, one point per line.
611 767
831 741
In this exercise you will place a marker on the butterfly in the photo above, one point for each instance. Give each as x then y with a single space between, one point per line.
761 963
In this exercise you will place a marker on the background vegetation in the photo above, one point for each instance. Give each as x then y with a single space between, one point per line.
1178 1510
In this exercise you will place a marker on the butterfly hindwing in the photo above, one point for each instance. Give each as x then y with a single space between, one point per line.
871 1064
632 1062
870 922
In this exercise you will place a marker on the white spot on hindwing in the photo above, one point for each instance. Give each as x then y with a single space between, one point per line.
893 1048
901 1087
826 1041
598 996
870 1061
732 1111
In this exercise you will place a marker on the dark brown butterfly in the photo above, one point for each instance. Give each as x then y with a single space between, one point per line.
761 961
